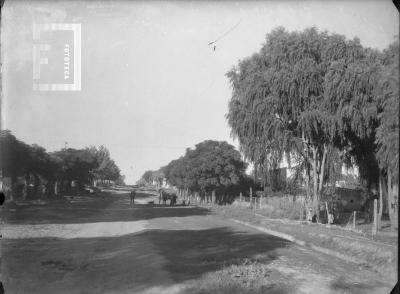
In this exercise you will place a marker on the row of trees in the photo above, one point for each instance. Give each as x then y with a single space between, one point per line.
48 173
319 99
212 167
149 177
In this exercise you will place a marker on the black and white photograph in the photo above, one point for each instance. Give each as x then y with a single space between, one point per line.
199 147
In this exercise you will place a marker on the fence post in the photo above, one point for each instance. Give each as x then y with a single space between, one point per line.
354 221
374 227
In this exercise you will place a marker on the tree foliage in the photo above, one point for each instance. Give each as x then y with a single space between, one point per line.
210 166
18 159
147 177
308 93
387 134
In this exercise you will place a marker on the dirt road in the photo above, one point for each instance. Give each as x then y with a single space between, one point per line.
93 245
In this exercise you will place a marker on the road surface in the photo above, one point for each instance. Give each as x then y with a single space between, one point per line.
108 246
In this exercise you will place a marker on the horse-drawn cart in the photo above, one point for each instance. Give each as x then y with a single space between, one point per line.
167 195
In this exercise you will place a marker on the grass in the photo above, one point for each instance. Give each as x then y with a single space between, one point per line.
247 276
381 258
282 207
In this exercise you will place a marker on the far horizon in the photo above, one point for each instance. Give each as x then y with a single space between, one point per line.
151 84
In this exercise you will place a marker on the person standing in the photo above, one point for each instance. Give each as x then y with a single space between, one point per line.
132 195
160 194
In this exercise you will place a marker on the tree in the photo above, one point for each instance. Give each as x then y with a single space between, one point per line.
20 160
303 93
387 134
120 181
77 165
175 174
14 158
106 168
147 177
158 176
212 166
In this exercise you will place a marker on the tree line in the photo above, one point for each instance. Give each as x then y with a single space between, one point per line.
319 100
33 172
149 177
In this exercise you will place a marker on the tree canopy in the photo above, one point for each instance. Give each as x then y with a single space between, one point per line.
387 133
210 166
307 93
18 159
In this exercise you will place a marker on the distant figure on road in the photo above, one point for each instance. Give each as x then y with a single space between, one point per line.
133 194
160 192
164 197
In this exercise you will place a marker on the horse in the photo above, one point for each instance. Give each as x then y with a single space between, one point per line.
167 196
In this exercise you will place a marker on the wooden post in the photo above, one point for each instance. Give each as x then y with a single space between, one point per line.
240 197
375 225
354 221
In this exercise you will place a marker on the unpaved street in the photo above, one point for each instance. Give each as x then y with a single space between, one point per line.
109 246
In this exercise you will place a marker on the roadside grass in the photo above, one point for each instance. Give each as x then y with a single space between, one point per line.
239 211
245 276
282 207
370 254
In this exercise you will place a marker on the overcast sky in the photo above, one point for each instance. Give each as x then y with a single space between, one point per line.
151 85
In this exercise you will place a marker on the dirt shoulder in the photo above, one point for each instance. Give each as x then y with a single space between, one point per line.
378 256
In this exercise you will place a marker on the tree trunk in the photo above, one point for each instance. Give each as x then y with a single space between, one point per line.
315 183
307 163
12 188
26 186
322 170
255 172
307 181
56 187
385 196
380 209
36 183
392 203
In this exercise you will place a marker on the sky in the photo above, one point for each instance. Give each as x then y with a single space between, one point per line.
151 86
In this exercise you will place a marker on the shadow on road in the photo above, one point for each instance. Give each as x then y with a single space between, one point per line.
189 254
133 262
